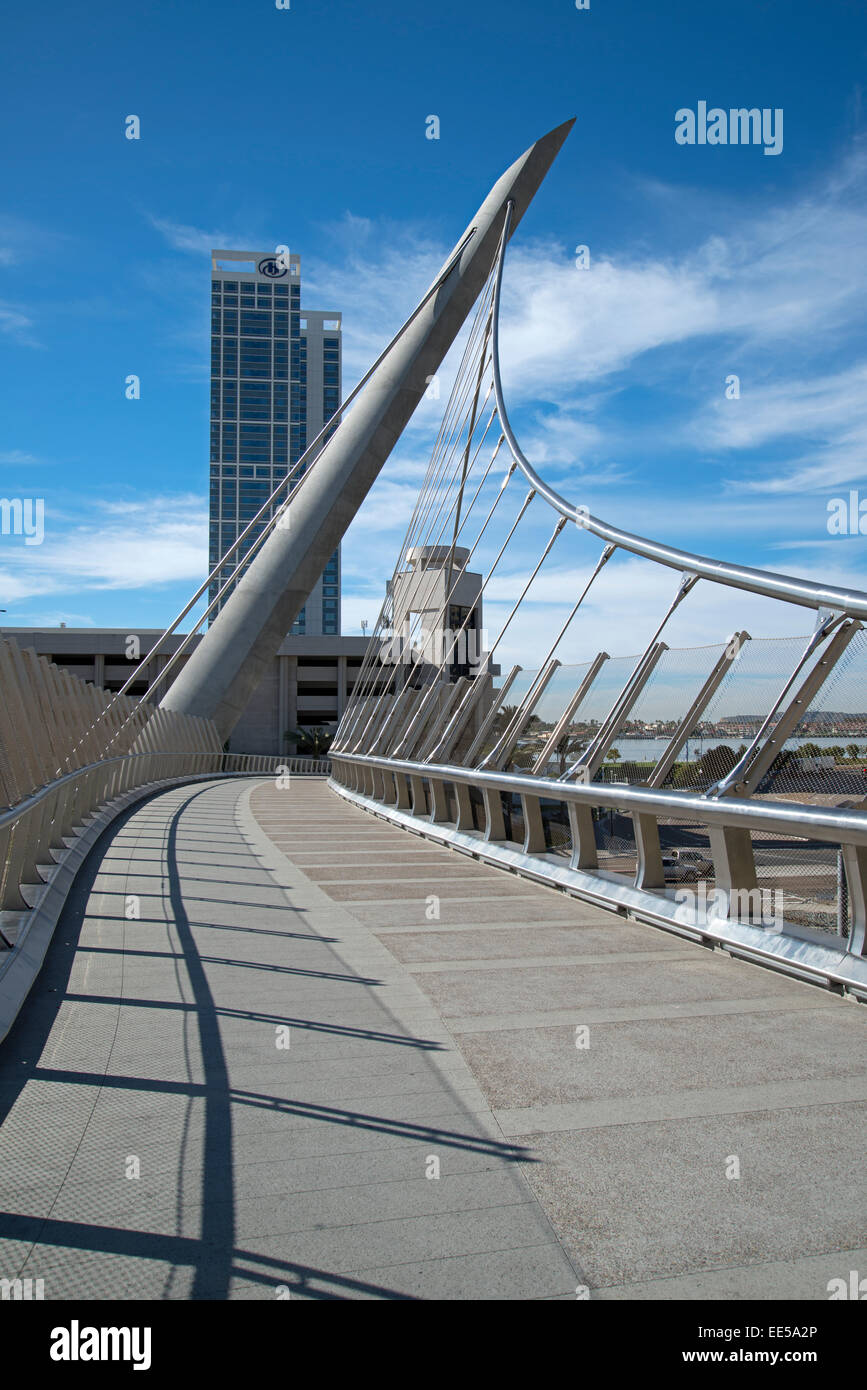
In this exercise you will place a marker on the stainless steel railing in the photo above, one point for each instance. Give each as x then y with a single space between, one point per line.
468 809
34 833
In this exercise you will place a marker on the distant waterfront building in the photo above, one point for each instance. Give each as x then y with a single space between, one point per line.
275 381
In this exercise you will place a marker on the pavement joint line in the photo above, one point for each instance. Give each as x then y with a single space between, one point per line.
414 901
438 967
754 1266
628 1013
433 929
511 1250
681 1105
424 878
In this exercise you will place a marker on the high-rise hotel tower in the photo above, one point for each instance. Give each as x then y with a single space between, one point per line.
275 381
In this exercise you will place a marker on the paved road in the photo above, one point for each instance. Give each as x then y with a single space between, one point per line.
431 1005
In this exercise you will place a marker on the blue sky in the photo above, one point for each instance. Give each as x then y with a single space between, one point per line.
307 127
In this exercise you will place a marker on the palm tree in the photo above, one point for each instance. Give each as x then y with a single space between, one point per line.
311 742
570 748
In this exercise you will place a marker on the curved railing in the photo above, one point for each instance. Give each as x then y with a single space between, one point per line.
439 751
852 602
69 750
730 904
34 833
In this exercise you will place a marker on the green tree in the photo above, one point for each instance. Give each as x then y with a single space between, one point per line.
313 741
568 750
717 762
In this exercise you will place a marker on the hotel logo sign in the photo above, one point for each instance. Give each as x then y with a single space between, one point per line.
271 267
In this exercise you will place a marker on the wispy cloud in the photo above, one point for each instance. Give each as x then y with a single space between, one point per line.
18 456
16 323
828 413
186 238
21 240
143 543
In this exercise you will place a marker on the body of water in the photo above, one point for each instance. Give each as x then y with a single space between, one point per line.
647 749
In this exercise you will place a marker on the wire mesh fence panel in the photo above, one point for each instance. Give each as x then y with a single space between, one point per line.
513 817
800 883
555 823
826 757
804 770
615 842
659 712
518 692
547 713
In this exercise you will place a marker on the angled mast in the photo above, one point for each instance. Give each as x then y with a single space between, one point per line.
230 661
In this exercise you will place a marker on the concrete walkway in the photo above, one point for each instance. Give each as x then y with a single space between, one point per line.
431 1005
159 1140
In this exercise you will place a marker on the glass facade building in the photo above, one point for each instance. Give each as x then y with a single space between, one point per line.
275 381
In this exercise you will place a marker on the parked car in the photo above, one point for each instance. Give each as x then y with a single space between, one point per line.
686 865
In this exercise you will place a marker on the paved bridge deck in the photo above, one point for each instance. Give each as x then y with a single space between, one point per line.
432 1006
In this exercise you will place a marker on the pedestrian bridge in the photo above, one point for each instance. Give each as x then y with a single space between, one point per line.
254 1068
472 1017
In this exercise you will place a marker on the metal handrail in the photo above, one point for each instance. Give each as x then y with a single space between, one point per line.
12 813
825 823
756 581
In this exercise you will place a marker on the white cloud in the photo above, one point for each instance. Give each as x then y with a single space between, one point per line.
17 324
17 456
146 543
827 412
183 237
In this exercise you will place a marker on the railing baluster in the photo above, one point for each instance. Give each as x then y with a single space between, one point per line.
581 827
495 823
649 872
855 866
439 801
734 863
534 829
